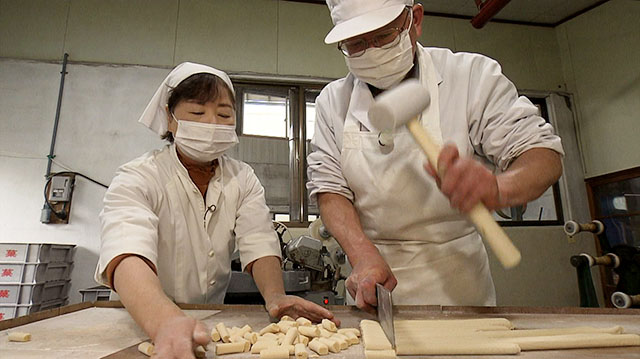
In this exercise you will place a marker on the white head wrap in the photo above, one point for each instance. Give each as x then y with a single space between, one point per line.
155 115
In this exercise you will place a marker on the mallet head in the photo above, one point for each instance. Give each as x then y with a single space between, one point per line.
395 107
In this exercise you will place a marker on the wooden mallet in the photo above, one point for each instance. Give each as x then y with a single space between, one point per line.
403 105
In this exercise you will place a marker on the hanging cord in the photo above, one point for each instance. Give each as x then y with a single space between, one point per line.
63 214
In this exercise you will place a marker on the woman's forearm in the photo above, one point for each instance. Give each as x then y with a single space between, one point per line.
141 293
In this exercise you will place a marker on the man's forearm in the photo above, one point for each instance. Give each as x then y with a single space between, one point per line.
529 176
267 274
141 293
341 219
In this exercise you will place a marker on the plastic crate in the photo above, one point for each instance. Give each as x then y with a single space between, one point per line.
33 293
36 252
18 310
13 272
95 293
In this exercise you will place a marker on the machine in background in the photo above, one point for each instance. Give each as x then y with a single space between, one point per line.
312 269
623 259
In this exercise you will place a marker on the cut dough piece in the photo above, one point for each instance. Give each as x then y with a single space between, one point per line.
355 331
329 325
251 336
300 351
263 344
574 341
275 353
333 345
200 352
303 339
373 336
317 346
341 340
291 335
268 336
286 325
19 337
224 333
287 318
311 332
229 348
146 348
215 336
323 332
304 322
271 328
380 354
352 338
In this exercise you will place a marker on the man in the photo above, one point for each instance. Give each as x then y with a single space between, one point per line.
400 221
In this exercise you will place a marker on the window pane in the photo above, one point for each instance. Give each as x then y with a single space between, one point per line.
265 115
311 119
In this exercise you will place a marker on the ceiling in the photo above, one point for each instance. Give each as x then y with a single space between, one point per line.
540 12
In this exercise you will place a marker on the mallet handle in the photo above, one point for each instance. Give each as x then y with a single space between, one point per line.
489 229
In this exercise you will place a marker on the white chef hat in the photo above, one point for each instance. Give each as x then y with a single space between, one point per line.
155 115
357 17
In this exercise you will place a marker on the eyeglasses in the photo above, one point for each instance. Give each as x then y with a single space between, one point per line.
384 39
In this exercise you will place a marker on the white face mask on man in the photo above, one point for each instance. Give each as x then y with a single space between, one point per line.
204 142
384 68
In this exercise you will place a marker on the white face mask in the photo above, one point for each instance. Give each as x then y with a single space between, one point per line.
204 142
384 68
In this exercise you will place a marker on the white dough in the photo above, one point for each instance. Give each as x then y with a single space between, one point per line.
146 348
380 354
275 353
318 347
229 348
303 321
224 333
19 337
329 325
263 344
311 332
300 351
373 336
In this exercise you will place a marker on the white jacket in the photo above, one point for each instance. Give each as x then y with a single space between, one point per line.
153 209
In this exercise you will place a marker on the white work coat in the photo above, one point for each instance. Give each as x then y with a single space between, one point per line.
153 209
434 251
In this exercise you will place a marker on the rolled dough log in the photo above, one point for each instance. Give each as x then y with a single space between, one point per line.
380 354
550 331
19 337
574 341
146 348
454 346
373 336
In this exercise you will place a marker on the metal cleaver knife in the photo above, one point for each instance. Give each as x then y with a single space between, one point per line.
385 313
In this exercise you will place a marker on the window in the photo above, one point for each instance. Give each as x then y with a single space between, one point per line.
546 210
276 123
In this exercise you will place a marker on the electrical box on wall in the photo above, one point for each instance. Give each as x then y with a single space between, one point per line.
60 188
58 194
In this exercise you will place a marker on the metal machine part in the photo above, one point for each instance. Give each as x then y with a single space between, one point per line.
571 228
623 300
306 252
294 281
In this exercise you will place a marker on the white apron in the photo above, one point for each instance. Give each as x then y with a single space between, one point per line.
434 252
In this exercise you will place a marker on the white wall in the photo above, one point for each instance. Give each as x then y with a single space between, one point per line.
98 129
600 53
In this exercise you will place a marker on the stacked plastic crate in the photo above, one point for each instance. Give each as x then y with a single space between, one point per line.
34 277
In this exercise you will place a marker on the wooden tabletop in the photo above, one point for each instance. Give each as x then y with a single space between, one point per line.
105 329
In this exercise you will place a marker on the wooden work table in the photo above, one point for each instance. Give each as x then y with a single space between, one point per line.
105 330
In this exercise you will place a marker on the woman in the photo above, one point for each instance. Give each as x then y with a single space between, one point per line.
173 217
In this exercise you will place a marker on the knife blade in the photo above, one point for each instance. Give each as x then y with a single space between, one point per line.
385 313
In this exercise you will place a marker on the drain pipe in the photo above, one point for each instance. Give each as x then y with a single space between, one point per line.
45 215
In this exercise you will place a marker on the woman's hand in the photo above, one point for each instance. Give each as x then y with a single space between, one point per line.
177 337
281 304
